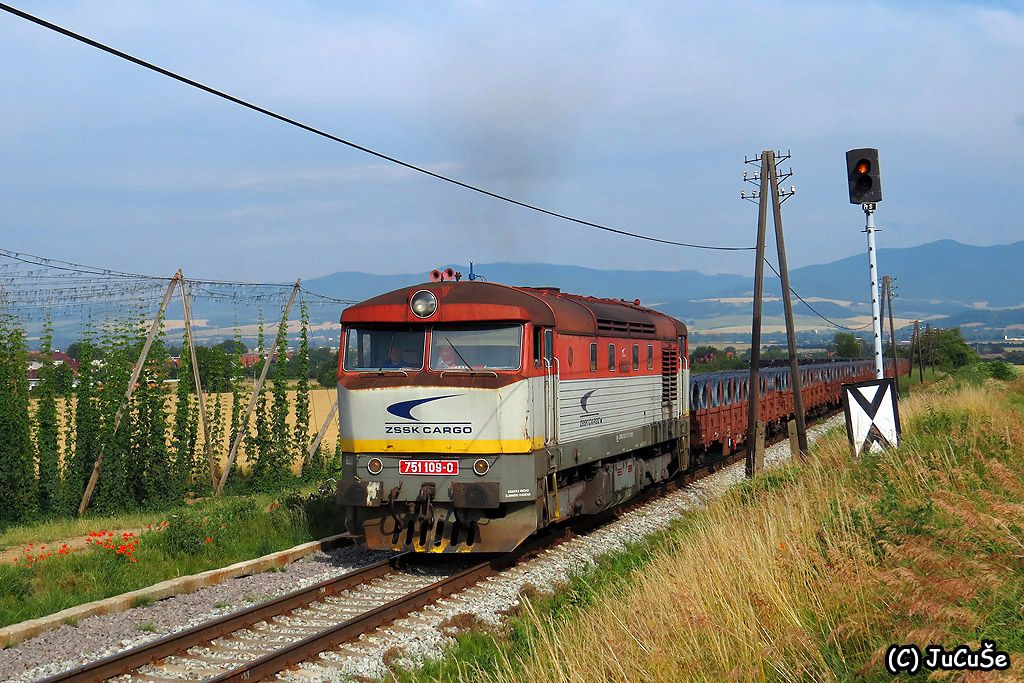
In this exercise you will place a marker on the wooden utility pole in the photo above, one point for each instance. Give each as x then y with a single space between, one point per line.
186 302
754 392
892 335
931 345
920 355
136 371
256 392
787 301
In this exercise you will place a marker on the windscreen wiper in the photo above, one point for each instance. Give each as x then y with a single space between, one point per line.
461 357
387 354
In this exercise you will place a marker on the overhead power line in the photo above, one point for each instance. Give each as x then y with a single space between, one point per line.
78 282
316 131
812 308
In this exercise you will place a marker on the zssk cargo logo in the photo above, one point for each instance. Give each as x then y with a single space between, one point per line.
588 418
403 409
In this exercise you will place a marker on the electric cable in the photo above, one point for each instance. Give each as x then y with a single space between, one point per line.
812 308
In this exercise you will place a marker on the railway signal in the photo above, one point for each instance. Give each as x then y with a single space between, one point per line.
862 174
866 190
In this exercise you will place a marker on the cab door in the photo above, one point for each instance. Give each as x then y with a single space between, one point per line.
551 377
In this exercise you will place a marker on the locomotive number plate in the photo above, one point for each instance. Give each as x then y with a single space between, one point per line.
443 467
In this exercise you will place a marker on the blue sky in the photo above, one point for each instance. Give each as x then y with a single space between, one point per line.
637 115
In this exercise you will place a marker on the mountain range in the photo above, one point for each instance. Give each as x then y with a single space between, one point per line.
978 288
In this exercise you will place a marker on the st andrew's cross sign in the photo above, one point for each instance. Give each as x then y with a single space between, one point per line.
872 416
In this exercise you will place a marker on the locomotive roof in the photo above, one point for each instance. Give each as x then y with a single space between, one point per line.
487 301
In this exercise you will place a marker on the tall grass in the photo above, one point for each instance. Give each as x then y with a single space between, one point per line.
809 573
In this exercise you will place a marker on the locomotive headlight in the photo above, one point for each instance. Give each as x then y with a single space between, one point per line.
375 466
480 467
423 304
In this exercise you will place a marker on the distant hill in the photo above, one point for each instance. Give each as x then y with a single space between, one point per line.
647 285
946 281
980 289
946 272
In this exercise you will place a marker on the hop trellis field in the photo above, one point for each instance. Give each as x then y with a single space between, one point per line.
77 406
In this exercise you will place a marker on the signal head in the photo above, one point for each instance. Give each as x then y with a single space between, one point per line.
863 177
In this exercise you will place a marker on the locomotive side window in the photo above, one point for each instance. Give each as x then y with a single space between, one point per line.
636 356
549 346
611 358
374 349
477 347
537 346
593 357
650 357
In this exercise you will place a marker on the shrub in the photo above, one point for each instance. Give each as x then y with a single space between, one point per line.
999 369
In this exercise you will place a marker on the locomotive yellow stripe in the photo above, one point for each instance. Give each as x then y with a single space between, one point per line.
453 446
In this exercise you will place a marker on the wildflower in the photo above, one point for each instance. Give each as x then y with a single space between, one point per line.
209 539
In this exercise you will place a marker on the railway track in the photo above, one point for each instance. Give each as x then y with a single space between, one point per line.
258 642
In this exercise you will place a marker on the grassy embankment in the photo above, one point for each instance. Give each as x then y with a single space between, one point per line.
208 535
807 573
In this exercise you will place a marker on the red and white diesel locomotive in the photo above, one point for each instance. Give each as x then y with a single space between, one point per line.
473 414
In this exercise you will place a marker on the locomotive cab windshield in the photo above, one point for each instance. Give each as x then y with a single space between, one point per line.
370 349
476 347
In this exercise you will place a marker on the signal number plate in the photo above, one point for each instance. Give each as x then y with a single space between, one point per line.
442 467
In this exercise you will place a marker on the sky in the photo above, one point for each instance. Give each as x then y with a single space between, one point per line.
637 115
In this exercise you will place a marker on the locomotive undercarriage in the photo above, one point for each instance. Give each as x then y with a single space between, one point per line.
468 517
